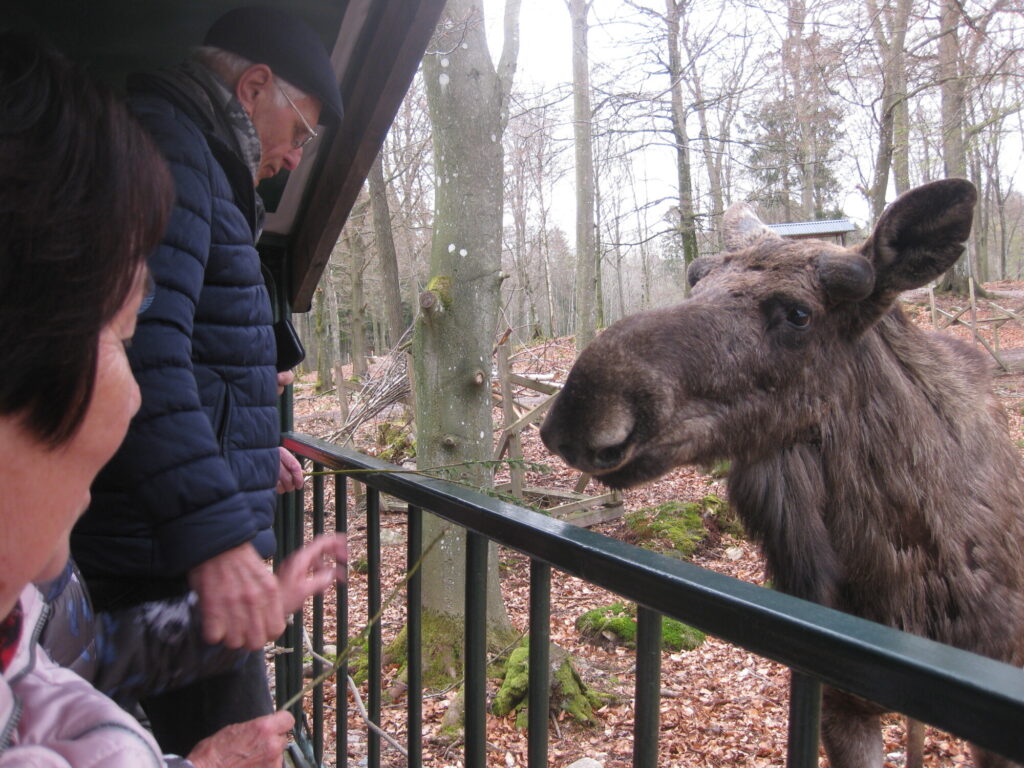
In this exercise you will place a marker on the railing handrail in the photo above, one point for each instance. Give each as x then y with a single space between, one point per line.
973 697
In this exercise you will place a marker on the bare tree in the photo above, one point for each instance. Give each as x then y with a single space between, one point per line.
889 25
468 101
586 252
386 251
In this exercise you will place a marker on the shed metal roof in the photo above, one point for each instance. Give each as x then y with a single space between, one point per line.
823 227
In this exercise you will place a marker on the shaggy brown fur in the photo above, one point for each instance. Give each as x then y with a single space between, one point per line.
870 459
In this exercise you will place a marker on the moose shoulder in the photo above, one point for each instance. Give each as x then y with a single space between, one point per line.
870 459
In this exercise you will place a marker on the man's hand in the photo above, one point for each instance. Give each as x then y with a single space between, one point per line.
289 476
284 378
258 743
312 569
239 599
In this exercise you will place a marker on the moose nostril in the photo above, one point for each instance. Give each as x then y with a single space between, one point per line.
609 457
568 452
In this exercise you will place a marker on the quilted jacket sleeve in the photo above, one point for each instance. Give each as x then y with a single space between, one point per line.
52 718
135 652
170 471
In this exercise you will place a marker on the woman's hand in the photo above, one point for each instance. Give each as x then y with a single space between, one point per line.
258 743
311 570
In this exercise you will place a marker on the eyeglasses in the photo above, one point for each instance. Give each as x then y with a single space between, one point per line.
310 132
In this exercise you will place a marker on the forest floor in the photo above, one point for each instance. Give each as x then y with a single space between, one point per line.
721 706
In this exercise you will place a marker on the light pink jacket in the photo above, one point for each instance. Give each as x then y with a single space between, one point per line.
51 717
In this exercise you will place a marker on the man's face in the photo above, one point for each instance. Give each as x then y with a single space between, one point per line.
281 129
281 126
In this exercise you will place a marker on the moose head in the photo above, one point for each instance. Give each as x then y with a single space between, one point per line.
747 363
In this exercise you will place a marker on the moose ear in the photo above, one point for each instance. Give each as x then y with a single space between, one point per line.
921 235
741 227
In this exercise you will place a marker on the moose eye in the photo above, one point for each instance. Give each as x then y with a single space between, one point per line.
798 317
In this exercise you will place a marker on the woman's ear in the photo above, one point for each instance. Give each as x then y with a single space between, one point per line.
252 85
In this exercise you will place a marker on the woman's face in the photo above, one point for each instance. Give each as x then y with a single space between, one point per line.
48 489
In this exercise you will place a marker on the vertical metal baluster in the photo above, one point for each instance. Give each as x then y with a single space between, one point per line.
648 688
293 632
373 606
540 672
282 684
318 622
341 612
804 721
414 639
476 651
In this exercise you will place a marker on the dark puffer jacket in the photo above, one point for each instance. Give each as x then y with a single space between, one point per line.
196 474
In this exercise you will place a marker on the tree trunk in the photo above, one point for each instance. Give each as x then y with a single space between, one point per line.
324 358
356 249
684 174
455 329
954 154
586 287
334 325
889 26
386 252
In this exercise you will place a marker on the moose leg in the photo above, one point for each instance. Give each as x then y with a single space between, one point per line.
851 731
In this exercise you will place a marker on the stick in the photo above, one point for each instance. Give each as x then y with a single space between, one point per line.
358 699
347 650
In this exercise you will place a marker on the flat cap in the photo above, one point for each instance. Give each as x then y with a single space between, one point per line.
286 44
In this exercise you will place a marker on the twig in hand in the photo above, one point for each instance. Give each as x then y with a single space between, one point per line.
347 650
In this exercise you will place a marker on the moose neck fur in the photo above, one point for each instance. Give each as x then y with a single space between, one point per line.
910 453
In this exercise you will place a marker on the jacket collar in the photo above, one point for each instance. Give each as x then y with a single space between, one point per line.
22 662
192 89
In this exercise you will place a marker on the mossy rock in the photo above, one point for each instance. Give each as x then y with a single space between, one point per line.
724 516
394 443
515 685
359 565
675 528
679 529
615 625
719 470
569 693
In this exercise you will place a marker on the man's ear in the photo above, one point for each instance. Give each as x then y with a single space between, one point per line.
253 84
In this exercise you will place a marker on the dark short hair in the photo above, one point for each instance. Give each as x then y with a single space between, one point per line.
84 198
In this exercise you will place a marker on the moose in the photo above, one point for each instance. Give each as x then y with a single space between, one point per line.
870 459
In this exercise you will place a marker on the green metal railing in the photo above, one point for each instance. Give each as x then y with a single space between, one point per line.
972 697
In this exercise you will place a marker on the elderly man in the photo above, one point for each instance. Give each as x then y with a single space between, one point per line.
188 502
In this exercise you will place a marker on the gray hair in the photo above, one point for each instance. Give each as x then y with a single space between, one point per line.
230 66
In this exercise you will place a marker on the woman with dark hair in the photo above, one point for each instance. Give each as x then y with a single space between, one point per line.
84 197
